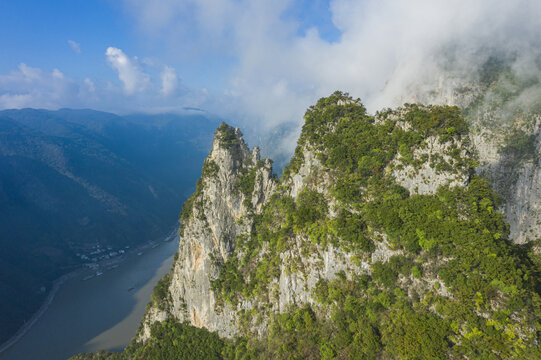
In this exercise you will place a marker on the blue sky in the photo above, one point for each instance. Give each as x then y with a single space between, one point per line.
72 37
261 62
39 34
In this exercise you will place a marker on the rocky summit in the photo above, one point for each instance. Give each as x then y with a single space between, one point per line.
383 238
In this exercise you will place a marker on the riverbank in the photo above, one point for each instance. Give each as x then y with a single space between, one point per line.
37 315
83 274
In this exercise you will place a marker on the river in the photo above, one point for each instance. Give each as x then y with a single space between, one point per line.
99 313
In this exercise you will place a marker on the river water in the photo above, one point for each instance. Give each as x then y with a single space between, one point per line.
100 313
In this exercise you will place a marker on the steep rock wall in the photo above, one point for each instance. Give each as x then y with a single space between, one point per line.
350 228
222 216
221 209
493 116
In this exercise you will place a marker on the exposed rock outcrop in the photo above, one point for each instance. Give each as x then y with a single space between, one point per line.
429 175
493 115
508 157
378 223
235 185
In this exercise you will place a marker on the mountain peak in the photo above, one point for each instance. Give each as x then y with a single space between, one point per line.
377 235
228 136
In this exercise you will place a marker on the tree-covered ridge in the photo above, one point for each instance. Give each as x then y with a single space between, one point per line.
456 271
435 275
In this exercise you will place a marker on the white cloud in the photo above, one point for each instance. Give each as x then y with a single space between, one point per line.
385 46
388 51
129 72
57 74
15 101
28 73
269 71
169 80
75 46
32 87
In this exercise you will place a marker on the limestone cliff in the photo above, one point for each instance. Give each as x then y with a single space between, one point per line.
376 215
505 132
234 186
509 159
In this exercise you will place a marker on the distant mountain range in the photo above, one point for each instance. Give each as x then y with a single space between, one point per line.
71 180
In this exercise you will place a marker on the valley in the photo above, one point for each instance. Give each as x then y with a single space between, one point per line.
102 312
78 187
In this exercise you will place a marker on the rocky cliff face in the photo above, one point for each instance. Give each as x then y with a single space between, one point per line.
231 193
379 240
505 133
379 210
509 158
234 186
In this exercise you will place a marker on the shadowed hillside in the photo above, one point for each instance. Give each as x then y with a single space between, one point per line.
71 180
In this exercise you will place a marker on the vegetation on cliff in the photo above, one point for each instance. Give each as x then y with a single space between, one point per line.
169 340
449 284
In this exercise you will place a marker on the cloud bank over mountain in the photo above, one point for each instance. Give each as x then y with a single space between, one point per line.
264 61
383 45
134 87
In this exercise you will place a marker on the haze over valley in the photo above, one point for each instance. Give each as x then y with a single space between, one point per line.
80 186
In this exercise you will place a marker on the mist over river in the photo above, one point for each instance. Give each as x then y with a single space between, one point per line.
102 312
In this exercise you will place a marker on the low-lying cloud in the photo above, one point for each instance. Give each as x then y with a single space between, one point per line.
268 63
150 87
385 48
388 51
31 87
